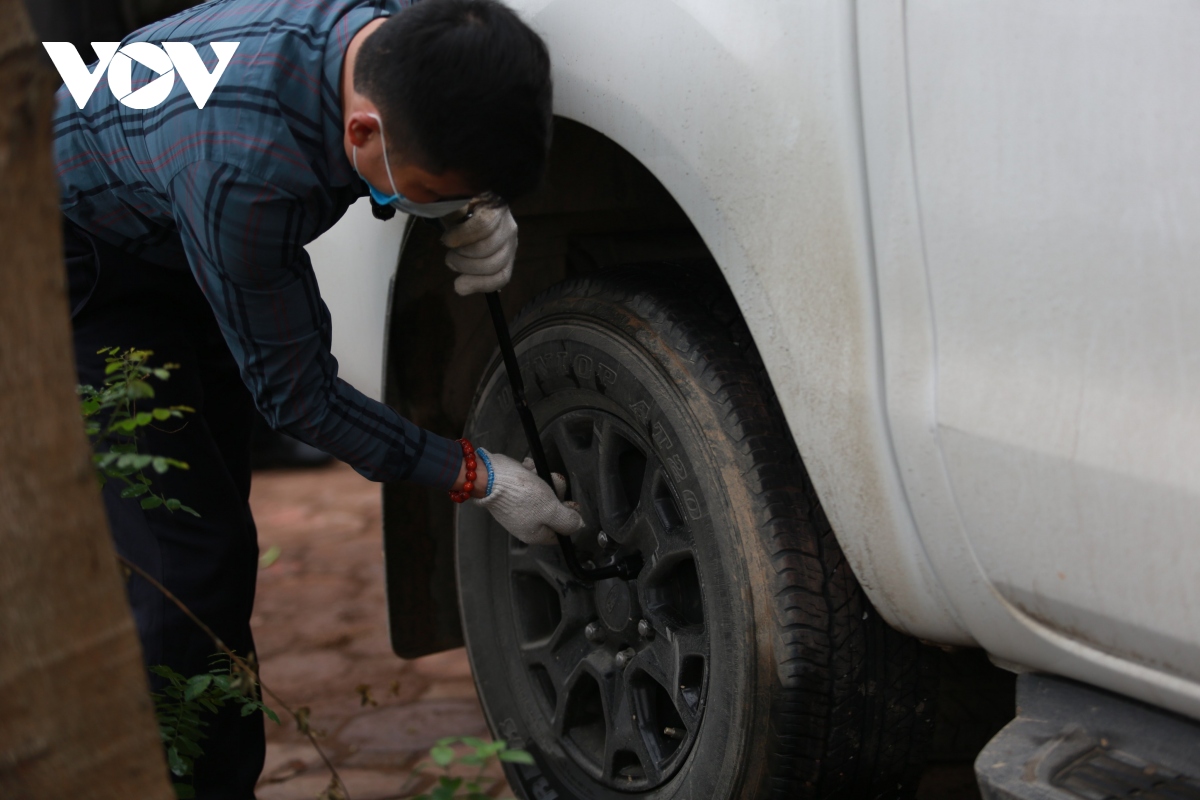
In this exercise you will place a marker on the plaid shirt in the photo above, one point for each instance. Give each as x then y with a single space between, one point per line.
235 190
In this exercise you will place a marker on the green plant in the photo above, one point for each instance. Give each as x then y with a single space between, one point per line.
478 754
112 419
179 705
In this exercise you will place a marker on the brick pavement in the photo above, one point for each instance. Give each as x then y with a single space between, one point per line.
320 622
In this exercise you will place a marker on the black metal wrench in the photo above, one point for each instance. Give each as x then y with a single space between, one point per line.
623 568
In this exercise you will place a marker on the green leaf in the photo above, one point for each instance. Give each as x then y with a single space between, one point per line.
445 791
190 510
161 414
139 390
151 502
173 504
163 671
112 367
144 418
474 741
248 709
160 464
162 374
189 748
270 557
516 757
487 750
196 686
446 741
271 715
441 755
176 762
136 490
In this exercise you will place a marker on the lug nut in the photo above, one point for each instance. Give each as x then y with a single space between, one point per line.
603 540
624 657
645 629
594 632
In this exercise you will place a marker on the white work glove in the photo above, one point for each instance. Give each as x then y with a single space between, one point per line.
482 249
524 505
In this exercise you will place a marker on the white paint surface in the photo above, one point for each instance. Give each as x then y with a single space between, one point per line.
354 262
1034 206
1057 180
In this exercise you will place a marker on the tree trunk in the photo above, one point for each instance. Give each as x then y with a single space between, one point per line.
75 713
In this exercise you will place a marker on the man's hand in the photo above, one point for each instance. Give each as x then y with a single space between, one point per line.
482 249
523 503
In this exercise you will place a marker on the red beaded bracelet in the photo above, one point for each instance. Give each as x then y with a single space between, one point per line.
463 494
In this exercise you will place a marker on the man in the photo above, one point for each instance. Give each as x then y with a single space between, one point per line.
184 233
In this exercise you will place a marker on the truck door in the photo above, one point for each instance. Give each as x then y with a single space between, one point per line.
1056 149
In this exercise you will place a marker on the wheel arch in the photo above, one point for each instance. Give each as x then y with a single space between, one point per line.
749 156
598 207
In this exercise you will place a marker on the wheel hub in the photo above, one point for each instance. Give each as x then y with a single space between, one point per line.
618 667
615 601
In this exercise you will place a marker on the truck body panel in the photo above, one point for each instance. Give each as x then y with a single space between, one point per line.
961 234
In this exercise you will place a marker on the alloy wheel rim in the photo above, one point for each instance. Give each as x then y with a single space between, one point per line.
619 668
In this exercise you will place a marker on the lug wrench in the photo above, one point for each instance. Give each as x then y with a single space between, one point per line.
621 569
624 568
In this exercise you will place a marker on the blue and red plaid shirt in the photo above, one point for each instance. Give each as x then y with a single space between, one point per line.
235 190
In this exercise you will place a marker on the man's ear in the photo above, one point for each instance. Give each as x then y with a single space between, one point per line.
361 127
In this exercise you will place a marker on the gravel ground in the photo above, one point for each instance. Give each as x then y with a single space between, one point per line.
320 622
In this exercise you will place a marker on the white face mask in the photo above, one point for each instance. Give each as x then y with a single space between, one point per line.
398 201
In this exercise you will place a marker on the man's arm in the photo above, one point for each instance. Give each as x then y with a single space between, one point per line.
243 240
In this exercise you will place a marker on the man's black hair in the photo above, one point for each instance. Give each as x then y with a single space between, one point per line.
462 85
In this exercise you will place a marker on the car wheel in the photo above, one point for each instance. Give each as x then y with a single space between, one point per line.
743 660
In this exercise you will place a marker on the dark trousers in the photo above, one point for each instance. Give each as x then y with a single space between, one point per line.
209 562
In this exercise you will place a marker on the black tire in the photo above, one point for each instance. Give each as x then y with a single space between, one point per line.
650 394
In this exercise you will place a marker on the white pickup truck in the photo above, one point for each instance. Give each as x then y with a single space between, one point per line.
868 327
